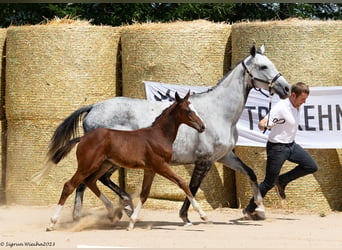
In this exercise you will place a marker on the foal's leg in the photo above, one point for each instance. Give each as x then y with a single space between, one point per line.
168 173
232 161
68 188
200 171
145 191
105 179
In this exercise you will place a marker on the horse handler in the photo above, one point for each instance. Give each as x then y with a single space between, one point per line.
283 121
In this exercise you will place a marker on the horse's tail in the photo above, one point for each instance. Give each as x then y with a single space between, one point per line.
55 159
67 130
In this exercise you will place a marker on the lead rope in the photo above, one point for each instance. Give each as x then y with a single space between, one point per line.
269 110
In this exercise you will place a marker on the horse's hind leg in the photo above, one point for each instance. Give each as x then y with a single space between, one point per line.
126 199
200 171
145 191
76 214
232 161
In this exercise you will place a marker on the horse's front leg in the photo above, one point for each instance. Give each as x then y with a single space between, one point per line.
200 171
145 191
232 161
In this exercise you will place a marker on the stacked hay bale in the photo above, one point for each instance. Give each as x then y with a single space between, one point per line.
3 33
307 51
51 71
189 53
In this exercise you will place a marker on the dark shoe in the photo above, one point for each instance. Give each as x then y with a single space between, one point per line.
280 190
252 215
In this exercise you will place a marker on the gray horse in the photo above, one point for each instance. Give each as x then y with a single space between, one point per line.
220 107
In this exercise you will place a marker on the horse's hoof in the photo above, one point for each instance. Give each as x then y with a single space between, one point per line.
260 215
130 227
117 215
256 215
49 229
128 207
188 224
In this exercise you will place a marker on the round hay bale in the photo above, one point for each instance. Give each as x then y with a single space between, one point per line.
3 33
54 69
302 50
307 51
192 53
318 192
51 71
26 151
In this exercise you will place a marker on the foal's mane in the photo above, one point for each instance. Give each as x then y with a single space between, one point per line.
165 111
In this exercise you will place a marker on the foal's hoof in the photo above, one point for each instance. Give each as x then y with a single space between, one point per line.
49 229
204 218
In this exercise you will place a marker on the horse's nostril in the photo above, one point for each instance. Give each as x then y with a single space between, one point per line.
287 89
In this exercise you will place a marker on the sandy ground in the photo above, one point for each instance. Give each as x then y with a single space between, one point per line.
20 225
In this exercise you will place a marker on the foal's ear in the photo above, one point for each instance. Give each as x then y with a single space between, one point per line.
187 95
177 97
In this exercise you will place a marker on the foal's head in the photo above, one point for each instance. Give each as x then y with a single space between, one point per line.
185 113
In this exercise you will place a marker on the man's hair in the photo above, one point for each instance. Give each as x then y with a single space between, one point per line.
299 88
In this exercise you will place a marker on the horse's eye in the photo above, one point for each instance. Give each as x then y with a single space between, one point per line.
263 67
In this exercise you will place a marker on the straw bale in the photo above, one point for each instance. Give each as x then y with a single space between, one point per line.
192 53
3 33
55 69
302 50
308 51
318 192
27 146
51 71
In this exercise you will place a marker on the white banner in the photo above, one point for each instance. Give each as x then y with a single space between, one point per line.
320 123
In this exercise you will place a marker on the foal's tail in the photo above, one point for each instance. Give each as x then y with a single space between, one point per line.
55 158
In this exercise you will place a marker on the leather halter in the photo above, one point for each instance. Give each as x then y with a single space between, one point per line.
270 83
270 86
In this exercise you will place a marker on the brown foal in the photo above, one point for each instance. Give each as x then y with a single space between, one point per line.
147 148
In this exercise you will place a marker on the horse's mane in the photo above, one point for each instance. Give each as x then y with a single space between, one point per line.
166 110
214 87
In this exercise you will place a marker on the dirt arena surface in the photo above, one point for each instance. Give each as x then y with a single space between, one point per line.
24 227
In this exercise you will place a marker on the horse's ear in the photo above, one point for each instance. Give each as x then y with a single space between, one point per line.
253 51
187 95
177 97
261 50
